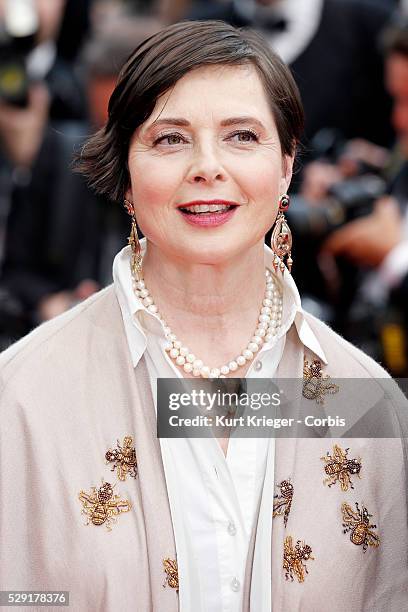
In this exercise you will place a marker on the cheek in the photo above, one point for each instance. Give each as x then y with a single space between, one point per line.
260 180
153 185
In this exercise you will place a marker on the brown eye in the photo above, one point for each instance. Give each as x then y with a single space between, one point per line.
169 139
173 139
245 136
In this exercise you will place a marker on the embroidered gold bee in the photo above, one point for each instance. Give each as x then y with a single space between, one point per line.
294 558
123 458
339 468
359 527
101 506
283 502
315 385
171 569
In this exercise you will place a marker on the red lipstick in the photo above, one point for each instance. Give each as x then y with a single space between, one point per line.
208 218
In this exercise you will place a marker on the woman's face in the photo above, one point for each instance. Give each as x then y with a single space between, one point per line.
212 138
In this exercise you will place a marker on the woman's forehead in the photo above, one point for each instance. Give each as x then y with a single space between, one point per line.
218 92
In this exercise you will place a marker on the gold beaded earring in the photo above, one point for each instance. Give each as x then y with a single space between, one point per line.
136 263
281 239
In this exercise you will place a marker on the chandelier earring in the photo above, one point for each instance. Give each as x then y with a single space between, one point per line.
281 239
136 262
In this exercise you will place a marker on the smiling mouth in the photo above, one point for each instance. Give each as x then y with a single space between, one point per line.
207 209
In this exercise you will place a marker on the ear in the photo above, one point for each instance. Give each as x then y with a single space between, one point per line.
287 171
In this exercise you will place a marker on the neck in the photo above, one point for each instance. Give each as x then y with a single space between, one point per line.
217 295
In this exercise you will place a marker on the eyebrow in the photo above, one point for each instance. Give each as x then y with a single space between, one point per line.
224 123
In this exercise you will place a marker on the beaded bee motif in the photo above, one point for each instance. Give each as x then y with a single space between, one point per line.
283 502
294 558
359 527
315 385
171 569
123 458
339 468
101 506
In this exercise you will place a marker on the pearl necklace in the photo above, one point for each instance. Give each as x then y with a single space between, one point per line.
269 321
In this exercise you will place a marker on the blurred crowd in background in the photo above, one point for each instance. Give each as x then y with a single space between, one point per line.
59 61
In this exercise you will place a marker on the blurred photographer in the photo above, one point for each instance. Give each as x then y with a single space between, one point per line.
356 211
36 84
39 89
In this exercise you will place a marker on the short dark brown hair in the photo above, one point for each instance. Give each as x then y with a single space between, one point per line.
156 65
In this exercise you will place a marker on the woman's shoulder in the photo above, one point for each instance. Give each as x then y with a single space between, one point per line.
344 358
58 341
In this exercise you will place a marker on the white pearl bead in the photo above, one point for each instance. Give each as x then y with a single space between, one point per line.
257 340
177 344
269 294
273 323
198 364
167 330
152 308
269 337
263 324
240 360
184 351
205 371
172 337
180 360
225 369
276 301
147 301
143 293
233 366
247 354
266 310
222 376
267 302
188 367
263 317
260 331
174 353
140 284
267 272
190 358
168 346
214 373
252 346
196 372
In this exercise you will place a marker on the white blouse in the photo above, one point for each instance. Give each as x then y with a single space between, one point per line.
213 498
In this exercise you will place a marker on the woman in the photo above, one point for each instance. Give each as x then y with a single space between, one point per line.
199 144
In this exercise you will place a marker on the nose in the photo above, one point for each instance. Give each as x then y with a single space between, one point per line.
206 166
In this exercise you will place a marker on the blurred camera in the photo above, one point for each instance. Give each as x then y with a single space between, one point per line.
347 200
18 31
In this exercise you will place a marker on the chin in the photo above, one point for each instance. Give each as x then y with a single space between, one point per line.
212 252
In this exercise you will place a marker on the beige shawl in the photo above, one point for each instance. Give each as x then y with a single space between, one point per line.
69 392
